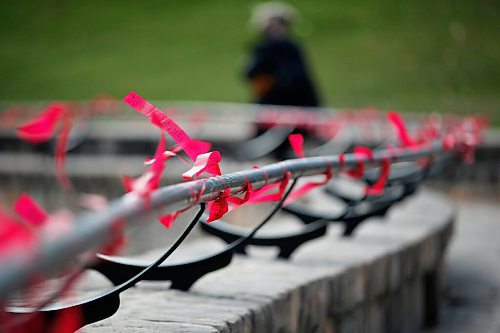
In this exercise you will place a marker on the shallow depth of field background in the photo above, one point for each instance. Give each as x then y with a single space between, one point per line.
415 55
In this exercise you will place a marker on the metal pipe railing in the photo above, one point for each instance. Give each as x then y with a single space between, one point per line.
93 229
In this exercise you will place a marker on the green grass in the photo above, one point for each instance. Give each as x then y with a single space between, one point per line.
415 55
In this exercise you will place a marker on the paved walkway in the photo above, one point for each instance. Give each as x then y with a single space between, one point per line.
472 298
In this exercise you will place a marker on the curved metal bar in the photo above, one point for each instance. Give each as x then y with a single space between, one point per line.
261 145
335 145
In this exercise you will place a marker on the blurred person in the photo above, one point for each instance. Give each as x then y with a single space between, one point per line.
277 72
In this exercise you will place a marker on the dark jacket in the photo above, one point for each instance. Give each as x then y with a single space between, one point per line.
283 62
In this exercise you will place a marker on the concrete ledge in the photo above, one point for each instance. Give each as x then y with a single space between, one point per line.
382 280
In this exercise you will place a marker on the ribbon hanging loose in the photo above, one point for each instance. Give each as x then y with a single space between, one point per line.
60 155
193 148
365 154
379 186
150 180
219 206
169 219
306 188
361 153
42 128
262 195
236 201
297 143
30 210
397 121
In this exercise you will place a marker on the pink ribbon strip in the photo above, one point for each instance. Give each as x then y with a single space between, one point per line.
30 211
398 123
236 201
14 236
169 219
42 128
193 148
208 162
150 180
365 153
361 153
297 143
168 154
67 321
379 186
219 206
262 195
60 155
306 188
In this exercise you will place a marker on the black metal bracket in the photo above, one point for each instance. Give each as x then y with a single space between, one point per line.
95 308
286 242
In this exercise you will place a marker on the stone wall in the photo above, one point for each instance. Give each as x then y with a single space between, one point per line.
384 279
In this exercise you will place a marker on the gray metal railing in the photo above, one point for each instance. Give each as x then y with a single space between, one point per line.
94 229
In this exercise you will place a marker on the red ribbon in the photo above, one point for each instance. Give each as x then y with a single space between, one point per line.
208 162
219 206
379 186
30 210
150 180
297 143
362 154
193 148
169 219
236 201
262 195
402 131
306 188
60 156
14 236
42 128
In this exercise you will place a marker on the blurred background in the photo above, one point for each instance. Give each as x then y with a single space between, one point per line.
416 55
413 56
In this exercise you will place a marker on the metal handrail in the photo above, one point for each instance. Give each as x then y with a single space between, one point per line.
94 229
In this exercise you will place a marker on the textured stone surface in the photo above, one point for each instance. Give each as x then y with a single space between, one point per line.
471 300
369 283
